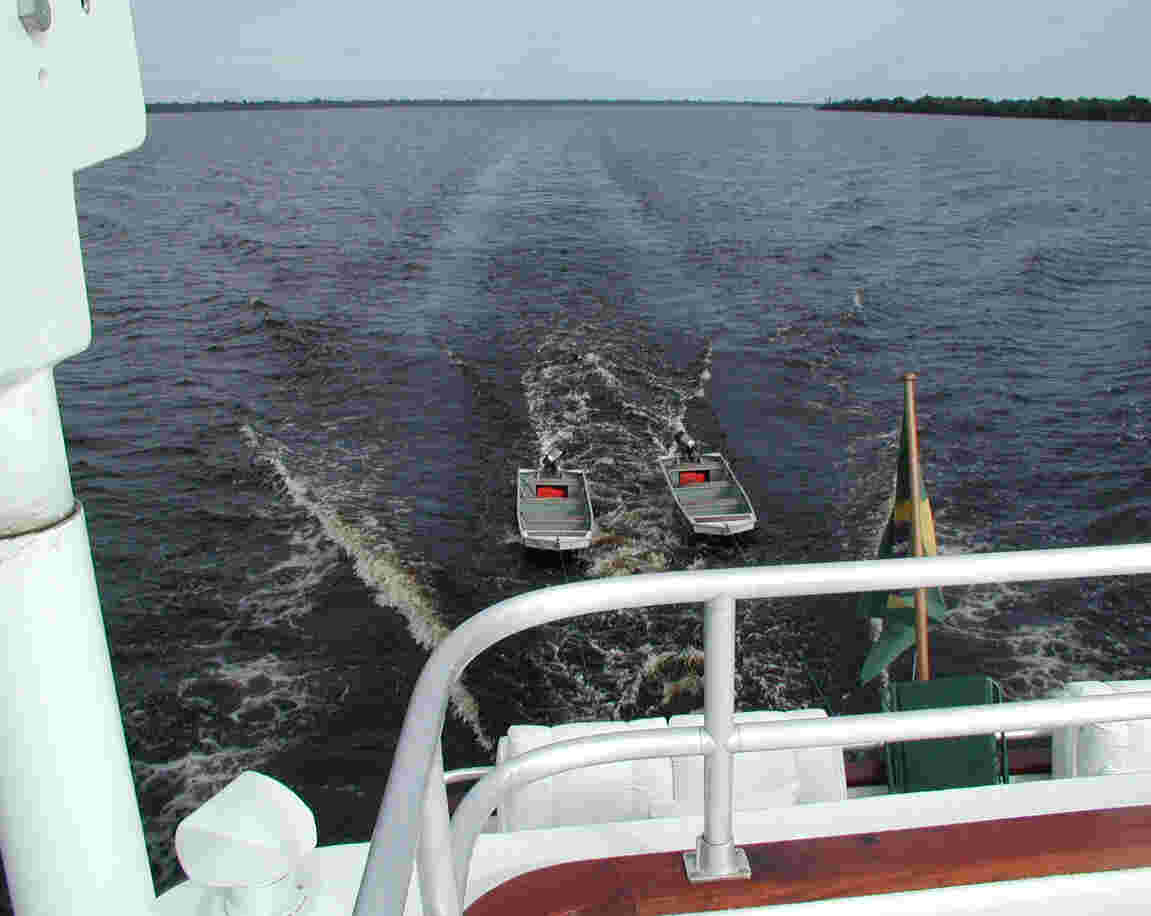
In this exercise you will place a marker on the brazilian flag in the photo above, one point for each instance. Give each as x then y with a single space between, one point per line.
897 609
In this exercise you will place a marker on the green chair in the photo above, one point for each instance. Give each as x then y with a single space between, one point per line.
945 763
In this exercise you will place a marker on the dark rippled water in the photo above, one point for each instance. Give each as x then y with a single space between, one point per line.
324 340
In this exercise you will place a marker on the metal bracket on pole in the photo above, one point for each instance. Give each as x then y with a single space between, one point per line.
725 862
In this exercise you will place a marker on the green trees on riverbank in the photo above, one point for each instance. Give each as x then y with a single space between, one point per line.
1132 108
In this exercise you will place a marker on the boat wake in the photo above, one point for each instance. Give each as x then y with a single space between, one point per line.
363 539
612 408
245 685
613 403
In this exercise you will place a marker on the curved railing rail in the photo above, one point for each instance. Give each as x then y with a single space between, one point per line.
414 809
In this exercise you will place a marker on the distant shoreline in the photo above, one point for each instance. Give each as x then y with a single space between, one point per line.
243 105
1131 108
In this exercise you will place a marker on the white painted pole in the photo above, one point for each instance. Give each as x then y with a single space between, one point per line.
719 710
716 855
437 879
70 829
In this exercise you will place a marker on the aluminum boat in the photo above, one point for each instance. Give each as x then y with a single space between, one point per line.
706 492
553 507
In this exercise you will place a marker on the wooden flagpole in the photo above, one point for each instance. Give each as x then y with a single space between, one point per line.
922 660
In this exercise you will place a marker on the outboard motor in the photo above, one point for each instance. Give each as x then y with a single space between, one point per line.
687 447
550 466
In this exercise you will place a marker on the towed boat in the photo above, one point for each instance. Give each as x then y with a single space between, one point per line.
553 507
706 491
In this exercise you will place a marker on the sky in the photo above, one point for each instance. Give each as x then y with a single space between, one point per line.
725 49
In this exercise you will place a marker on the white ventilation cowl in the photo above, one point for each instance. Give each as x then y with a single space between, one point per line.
247 841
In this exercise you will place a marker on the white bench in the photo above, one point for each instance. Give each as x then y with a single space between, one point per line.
663 787
1103 747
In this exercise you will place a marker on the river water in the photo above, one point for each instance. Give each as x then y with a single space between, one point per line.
325 339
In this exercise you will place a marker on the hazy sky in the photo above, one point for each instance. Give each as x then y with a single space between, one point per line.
729 49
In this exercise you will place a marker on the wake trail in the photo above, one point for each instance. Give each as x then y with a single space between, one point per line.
375 561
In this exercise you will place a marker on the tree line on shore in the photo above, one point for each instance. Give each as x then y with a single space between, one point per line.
1131 108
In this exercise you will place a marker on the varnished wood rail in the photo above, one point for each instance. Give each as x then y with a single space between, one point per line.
797 871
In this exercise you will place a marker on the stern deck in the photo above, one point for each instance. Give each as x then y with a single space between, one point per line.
826 868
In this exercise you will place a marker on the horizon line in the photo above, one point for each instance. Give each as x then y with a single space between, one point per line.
441 100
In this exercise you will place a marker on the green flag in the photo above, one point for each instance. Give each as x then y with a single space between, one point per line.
897 609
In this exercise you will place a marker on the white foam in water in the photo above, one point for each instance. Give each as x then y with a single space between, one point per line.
283 593
269 694
609 406
284 693
614 411
625 559
627 408
376 563
1044 654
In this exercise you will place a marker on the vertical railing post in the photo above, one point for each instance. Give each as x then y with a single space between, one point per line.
438 890
716 856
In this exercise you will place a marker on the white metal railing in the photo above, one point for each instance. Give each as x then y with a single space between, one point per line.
475 774
465 774
414 816
842 731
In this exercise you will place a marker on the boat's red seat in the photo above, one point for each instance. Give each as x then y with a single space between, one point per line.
663 787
